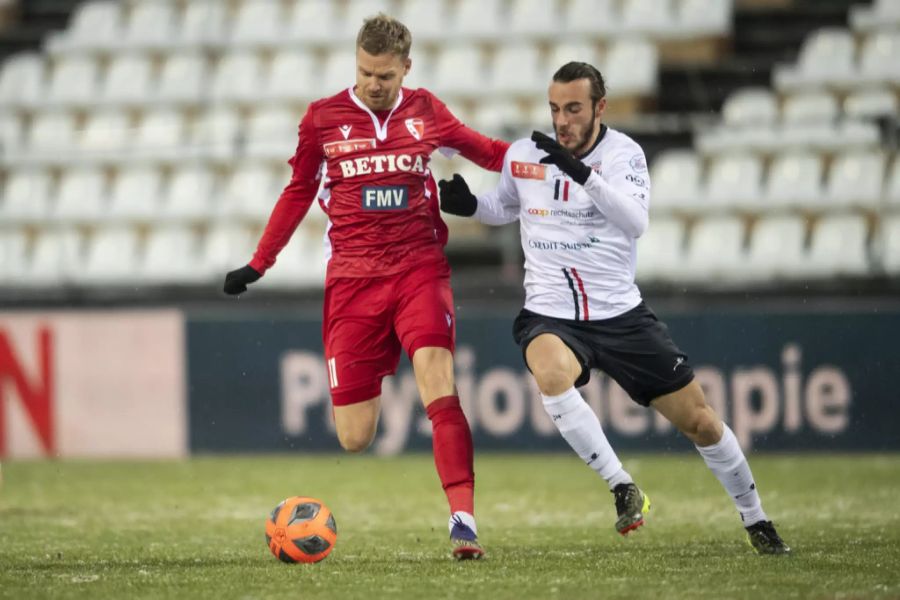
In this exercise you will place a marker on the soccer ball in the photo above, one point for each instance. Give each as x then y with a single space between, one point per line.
301 529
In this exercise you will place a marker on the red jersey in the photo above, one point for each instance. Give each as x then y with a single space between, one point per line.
371 172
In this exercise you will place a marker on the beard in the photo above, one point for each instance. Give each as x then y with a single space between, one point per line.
585 139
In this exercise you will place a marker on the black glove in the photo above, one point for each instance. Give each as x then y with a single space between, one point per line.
456 198
236 281
562 158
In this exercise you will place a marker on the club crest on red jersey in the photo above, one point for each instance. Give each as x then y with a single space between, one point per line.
527 170
416 128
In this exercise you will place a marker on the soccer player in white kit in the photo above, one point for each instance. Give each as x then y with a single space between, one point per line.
582 201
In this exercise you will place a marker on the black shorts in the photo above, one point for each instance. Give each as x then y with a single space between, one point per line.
634 348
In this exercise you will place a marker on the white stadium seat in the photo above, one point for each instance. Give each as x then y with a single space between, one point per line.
878 58
214 135
890 245
881 14
703 17
750 107
838 247
892 187
52 134
734 180
82 196
661 251
151 25
566 52
22 79
238 77
272 133
827 57
794 179
871 104
301 263
777 248
312 21
73 81
203 23
477 18
128 80
592 17
632 64
107 133
182 79
533 18
95 24
495 116
855 179
56 253
251 192
426 19
289 76
810 106
134 195
452 61
647 17
339 72
26 196
13 255
159 135
516 70
356 12
189 195
258 22
224 246
715 250
111 257
676 176
171 256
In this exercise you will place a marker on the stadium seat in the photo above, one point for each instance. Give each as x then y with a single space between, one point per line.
271 133
257 22
838 247
238 77
647 17
660 251
22 79
878 58
477 19
289 77
892 187
94 25
426 19
189 195
871 104
224 246
675 176
632 65
74 80
159 136
530 19
111 258
890 245
134 194
56 254
565 52
171 256
81 196
715 251
313 22
750 107
215 134
107 133
592 17
13 255
151 25
516 70
338 72
203 23
497 117
251 192
855 179
182 79
882 14
355 13
703 17
452 61
26 196
794 180
52 135
128 80
12 135
300 264
734 180
827 57
810 106
776 249
748 123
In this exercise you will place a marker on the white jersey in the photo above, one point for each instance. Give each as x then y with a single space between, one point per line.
580 242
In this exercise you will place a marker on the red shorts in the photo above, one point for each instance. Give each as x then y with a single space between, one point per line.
367 321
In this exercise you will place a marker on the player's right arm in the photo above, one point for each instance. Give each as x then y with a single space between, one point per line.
289 210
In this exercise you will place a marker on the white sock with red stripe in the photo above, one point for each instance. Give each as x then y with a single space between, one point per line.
581 428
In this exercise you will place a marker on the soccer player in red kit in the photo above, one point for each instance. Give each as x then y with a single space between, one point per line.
387 286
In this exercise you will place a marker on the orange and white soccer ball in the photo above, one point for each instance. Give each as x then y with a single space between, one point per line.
301 529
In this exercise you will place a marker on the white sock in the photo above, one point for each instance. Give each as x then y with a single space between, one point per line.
581 428
727 461
465 518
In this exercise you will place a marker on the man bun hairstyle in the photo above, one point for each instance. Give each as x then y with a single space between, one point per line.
572 71
383 34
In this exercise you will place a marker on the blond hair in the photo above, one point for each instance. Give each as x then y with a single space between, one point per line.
383 34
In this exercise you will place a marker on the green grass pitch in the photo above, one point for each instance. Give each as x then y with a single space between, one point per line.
194 529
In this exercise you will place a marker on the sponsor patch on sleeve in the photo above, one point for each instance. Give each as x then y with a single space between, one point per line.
385 197
526 170
638 164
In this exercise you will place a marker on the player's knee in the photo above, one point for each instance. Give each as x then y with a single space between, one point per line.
552 380
355 441
705 428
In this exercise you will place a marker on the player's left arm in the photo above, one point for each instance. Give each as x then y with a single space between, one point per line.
482 150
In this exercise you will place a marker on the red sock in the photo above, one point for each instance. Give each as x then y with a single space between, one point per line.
453 452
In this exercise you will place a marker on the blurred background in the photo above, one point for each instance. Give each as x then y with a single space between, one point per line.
143 144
